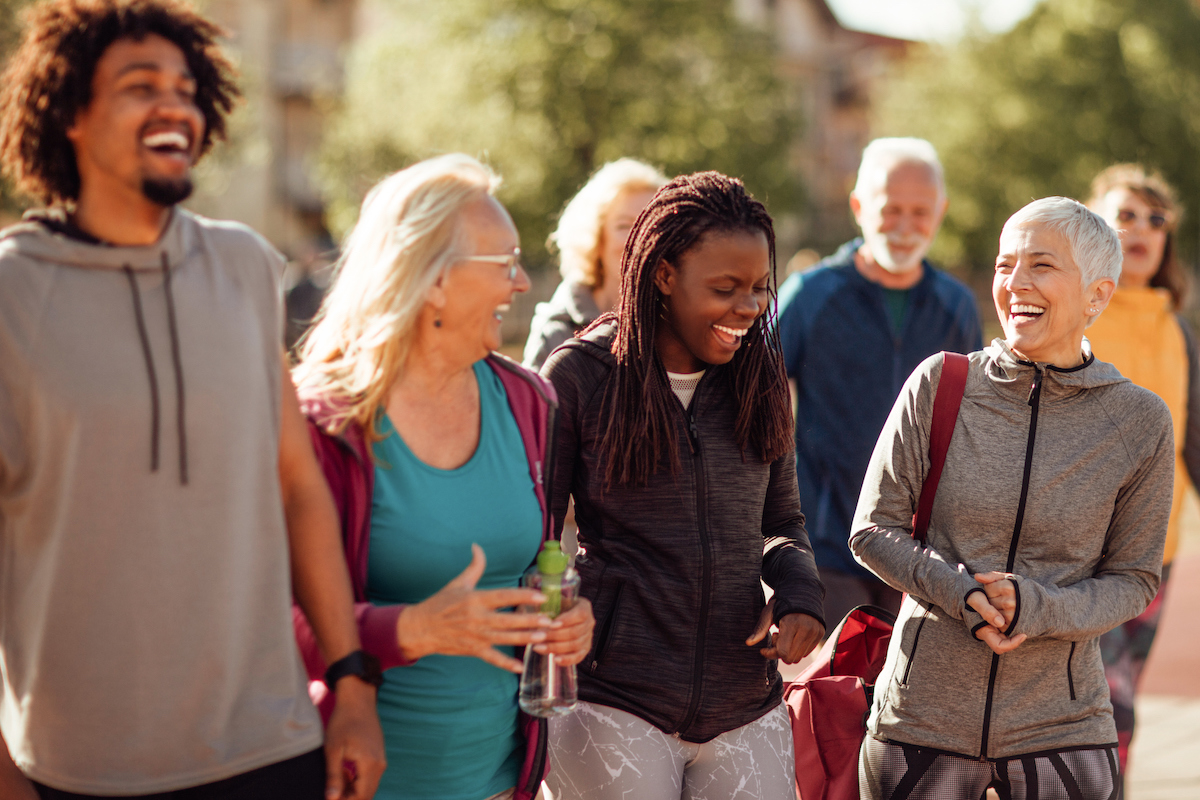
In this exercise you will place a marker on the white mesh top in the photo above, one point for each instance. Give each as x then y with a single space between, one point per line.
684 385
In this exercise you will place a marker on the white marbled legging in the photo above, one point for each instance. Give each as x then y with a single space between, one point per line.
601 753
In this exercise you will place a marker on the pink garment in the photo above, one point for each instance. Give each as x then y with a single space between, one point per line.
350 473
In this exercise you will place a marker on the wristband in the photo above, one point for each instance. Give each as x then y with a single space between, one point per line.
360 664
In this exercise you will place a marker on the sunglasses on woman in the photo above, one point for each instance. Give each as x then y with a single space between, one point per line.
1155 219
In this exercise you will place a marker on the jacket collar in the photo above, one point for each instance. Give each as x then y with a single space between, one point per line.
1012 374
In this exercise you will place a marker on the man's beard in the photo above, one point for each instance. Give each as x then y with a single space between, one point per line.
166 192
881 252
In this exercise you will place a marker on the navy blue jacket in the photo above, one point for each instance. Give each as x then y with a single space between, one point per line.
849 368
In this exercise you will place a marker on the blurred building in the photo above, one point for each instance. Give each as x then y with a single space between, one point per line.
835 70
290 53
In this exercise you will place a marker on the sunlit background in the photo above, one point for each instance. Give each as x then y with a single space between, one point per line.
1022 98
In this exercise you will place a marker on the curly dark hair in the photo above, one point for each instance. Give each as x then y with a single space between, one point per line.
637 403
49 79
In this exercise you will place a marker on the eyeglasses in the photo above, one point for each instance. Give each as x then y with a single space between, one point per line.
1155 219
512 261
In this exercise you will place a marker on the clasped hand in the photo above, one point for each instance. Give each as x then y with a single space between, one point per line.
795 638
460 620
997 604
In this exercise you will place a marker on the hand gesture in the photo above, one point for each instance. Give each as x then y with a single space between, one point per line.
795 637
461 620
997 604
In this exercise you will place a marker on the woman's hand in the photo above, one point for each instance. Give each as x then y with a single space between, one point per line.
997 604
996 640
570 636
1001 594
461 620
796 637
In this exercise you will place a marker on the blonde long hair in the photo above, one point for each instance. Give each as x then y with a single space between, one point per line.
407 235
577 236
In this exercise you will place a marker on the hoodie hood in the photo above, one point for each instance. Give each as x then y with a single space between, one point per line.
39 236
1009 372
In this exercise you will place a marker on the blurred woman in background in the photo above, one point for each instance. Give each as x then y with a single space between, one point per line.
590 238
434 448
1144 337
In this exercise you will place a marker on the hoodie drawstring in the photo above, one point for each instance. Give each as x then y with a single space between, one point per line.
178 363
153 375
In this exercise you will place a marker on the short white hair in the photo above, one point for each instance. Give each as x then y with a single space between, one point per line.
1095 246
577 236
881 155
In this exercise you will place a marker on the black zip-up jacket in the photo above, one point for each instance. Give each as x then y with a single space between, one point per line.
672 568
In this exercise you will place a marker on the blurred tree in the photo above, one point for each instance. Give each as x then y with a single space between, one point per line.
10 33
548 90
1039 110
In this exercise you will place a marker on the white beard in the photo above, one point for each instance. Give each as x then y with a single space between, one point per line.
880 246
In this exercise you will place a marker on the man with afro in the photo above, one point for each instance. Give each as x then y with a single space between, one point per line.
160 502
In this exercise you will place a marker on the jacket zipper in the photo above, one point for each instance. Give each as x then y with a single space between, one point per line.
705 573
1035 397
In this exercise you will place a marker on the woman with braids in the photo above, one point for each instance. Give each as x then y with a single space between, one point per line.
1144 337
675 440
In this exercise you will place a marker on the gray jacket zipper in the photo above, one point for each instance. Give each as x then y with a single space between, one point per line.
1035 397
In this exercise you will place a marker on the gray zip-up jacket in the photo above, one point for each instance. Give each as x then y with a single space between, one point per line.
1060 476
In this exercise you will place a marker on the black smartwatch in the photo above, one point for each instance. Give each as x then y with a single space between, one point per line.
360 664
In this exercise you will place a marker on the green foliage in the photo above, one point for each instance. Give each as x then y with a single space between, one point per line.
10 37
1038 111
548 90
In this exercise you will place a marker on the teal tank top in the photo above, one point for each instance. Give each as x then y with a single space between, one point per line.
450 722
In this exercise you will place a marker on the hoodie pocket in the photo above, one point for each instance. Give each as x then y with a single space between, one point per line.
604 631
912 650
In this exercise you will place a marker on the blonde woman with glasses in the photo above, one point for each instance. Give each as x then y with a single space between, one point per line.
434 447
590 239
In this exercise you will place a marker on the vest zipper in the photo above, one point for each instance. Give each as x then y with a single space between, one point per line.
1035 397
705 572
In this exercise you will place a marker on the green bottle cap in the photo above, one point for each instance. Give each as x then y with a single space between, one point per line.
551 560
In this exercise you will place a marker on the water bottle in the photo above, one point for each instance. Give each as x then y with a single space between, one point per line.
548 687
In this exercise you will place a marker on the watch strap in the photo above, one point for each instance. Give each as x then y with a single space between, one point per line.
360 664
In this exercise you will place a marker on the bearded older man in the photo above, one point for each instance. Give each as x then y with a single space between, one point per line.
853 328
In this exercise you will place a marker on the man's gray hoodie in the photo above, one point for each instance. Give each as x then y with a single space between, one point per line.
1060 476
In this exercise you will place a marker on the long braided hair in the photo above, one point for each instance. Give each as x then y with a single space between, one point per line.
638 401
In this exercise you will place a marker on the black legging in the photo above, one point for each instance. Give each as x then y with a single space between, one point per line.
894 771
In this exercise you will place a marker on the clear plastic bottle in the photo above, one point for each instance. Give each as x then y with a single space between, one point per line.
548 687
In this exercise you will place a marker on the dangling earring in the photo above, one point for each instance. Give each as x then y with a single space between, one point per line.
437 321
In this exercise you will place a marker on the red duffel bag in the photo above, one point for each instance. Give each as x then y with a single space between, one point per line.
829 701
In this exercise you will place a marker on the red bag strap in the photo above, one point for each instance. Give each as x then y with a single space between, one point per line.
945 415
